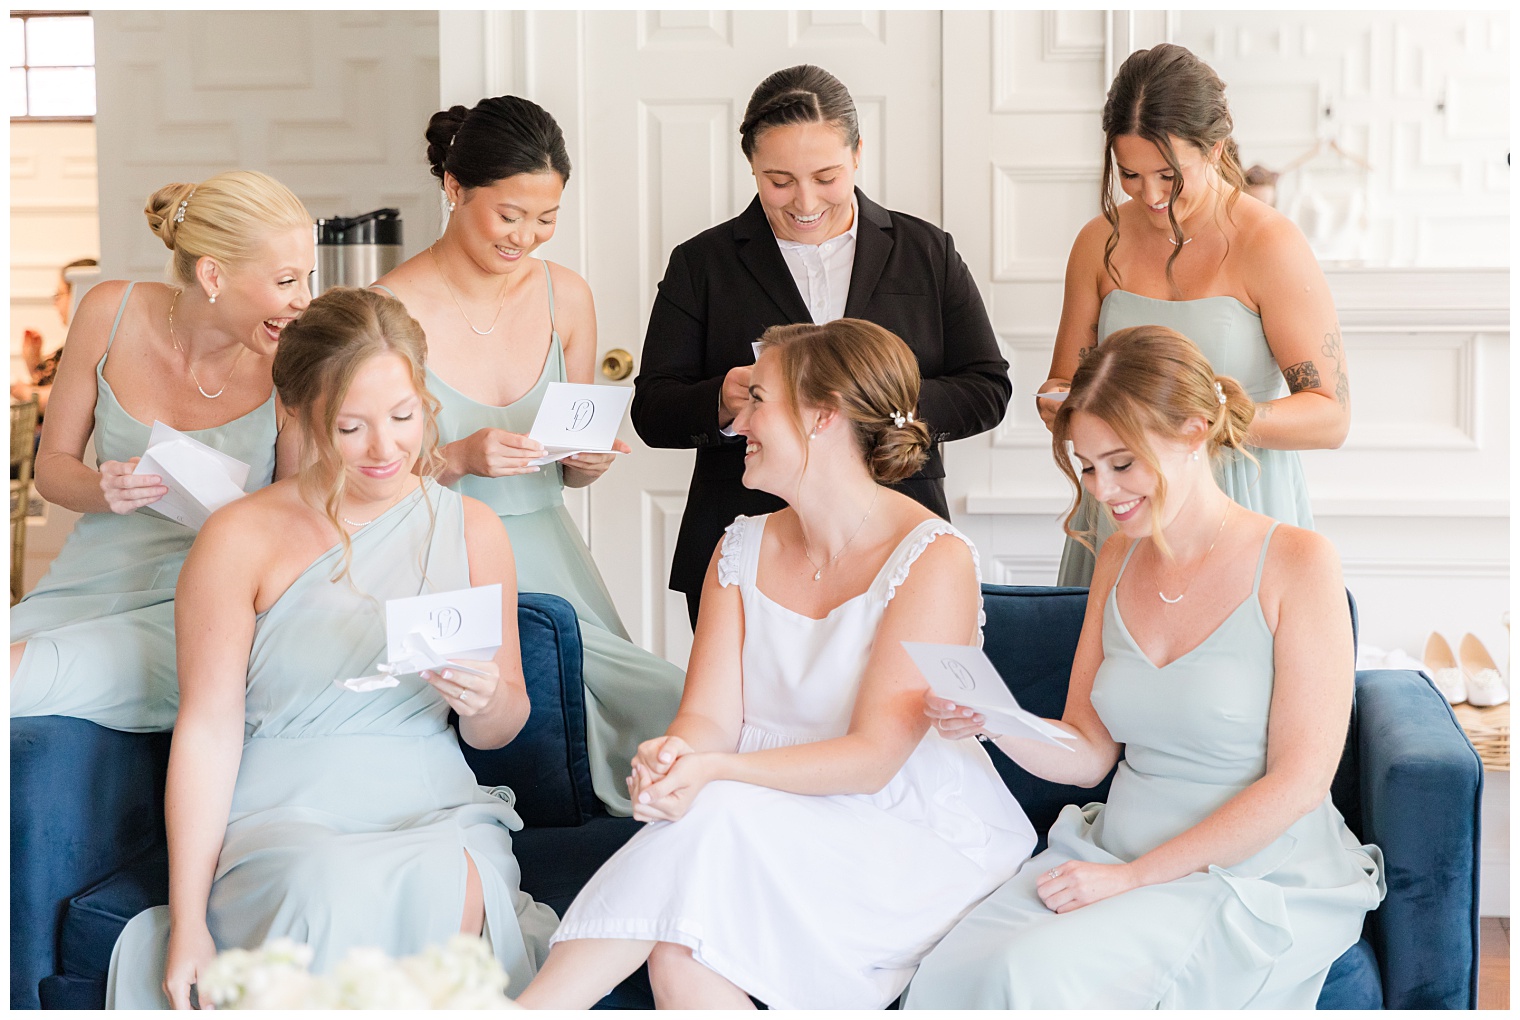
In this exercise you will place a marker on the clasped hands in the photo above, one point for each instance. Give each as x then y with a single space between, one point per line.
667 776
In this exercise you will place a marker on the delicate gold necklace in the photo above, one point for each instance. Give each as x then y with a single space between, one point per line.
242 349
1199 569
462 315
818 573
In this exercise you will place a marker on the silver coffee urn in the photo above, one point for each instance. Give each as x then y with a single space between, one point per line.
355 251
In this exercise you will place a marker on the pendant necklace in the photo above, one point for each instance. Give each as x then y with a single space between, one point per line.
1173 241
462 315
1223 517
175 341
818 573
358 524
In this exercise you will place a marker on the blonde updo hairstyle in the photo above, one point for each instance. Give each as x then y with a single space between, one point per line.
226 218
318 356
1151 381
869 376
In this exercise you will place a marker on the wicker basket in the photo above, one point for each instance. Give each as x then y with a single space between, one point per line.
1488 729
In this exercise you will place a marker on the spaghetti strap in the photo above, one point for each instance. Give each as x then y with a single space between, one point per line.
1125 565
117 322
381 286
1261 561
548 279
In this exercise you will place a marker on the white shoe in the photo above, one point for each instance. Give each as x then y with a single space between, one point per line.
1441 666
1485 686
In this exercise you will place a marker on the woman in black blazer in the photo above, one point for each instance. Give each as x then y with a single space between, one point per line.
726 286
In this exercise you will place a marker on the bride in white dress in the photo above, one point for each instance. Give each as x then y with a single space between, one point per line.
810 837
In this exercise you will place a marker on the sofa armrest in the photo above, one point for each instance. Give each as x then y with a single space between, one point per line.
1421 787
85 801
547 764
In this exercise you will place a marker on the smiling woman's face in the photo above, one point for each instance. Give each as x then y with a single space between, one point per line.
379 427
805 174
1147 177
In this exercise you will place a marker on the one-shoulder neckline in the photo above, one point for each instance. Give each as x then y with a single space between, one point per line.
1185 301
891 558
404 502
539 381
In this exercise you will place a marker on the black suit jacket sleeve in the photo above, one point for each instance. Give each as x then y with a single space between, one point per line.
675 400
971 393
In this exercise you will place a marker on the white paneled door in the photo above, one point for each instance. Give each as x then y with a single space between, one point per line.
651 102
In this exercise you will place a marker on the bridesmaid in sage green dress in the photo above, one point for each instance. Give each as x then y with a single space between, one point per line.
1218 875
95 639
299 808
501 327
1191 251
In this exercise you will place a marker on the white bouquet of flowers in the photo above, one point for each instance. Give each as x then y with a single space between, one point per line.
462 974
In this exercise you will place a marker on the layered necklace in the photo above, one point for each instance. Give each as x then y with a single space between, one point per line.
462 315
1199 569
818 571
242 349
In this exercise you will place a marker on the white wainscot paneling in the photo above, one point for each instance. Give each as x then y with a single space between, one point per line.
1415 390
1031 205
686 169
685 30
1048 61
667 625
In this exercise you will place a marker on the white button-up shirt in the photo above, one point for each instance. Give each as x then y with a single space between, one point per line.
822 271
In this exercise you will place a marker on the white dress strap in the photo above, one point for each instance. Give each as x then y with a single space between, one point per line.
740 556
913 546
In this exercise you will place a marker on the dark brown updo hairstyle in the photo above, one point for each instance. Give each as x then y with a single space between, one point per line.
869 376
799 95
314 366
1151 380
501 137
1158 92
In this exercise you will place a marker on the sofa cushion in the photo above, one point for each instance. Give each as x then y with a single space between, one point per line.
93 920
547 764
1354 981
84 799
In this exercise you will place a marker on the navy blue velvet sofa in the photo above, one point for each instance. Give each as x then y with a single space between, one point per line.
87 843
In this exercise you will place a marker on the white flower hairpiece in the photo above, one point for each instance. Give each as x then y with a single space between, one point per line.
899 419
179 214
1219 392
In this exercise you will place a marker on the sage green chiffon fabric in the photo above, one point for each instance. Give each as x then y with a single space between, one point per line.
1259 933
631 695
1230 335
99 626
352 812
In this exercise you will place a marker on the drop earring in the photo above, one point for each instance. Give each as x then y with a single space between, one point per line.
213 299
451 207
1193 455
813 434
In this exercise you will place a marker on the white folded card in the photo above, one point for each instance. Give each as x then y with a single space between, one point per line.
427 631
755 346
578 418
200 479
1053 394
965 675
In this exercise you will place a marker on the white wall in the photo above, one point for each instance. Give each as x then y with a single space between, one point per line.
331 103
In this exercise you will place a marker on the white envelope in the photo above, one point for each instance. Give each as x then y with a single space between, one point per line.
578 418
200 479
1052 394
964 675
755 346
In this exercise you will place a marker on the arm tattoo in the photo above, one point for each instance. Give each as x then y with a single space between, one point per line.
1083 352
1302 376
1333 350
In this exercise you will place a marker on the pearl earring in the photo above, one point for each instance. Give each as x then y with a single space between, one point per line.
213 299
1194 455
451 207
813 434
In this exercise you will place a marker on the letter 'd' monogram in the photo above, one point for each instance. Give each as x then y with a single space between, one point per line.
581 413
446 622
961 673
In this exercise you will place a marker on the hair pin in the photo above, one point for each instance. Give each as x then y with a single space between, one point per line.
179 214
1219 392
900 419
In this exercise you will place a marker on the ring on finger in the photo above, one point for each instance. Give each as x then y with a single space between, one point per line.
464 694
1053 873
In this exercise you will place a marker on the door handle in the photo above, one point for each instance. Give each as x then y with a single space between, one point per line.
617 364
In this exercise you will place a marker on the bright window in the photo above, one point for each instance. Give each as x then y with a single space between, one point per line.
52 65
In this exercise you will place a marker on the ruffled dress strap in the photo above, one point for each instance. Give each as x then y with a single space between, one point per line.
739 560
895 572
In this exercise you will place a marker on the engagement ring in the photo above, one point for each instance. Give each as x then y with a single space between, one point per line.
1054 873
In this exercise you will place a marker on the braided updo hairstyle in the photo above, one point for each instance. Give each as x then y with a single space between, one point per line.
500 138
226 218
869 376
803 94
1151 380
